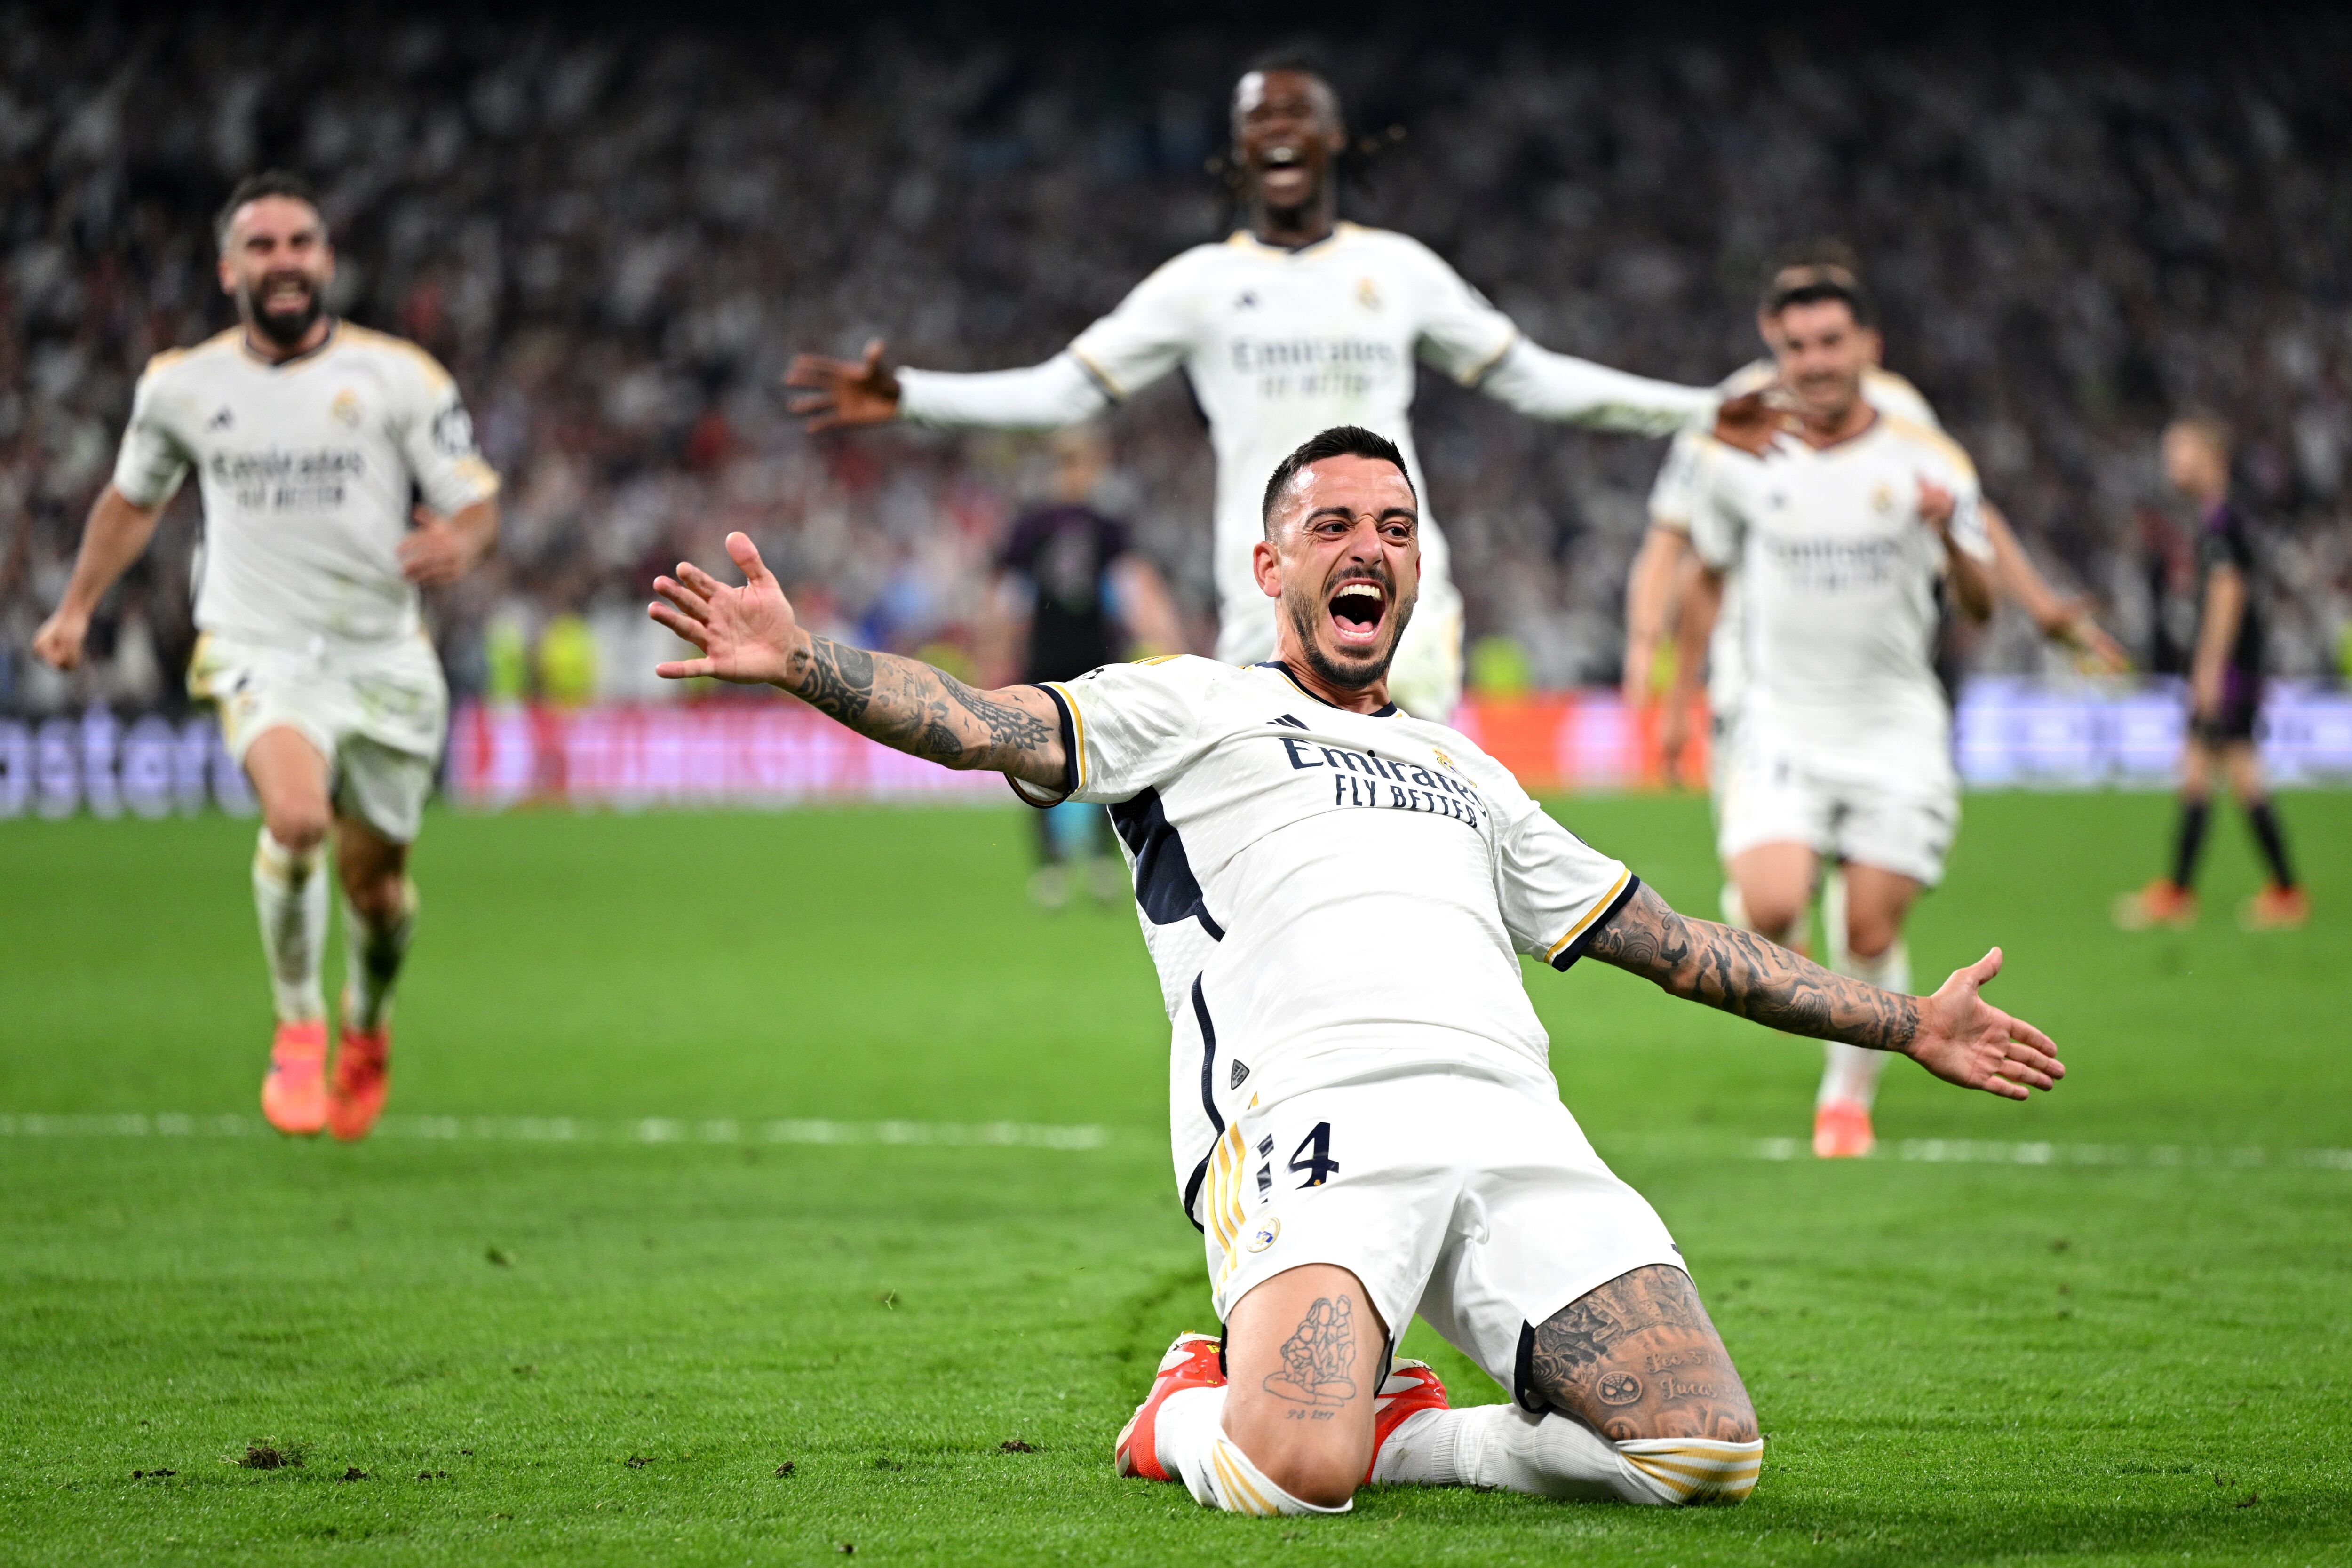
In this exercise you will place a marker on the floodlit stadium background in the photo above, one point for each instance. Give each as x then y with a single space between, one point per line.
614 231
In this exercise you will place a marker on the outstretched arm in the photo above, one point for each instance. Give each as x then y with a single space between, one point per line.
749 635
1955 1034
841 392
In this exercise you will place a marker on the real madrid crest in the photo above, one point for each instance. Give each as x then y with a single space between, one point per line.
346 407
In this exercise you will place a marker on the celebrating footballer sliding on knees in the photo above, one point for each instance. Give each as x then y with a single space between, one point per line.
1366 1125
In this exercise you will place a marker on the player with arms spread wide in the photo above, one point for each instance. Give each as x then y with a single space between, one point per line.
1365 1123
1293 325
1840 536
308 435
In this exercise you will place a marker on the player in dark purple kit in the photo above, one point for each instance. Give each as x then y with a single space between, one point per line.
1088 600
2225 687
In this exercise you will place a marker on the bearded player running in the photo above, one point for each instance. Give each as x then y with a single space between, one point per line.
308 435
1294 323
1335 894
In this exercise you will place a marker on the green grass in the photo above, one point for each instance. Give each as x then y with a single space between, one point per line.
1954 1362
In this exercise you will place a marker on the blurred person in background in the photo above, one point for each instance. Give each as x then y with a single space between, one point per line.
1296 322
1075 595
2225 695
310 438
1846 538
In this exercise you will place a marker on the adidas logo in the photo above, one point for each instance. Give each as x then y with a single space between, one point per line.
1241 1071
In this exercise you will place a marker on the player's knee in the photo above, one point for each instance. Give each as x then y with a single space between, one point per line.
1774 915
381 900
1315 1474
298 826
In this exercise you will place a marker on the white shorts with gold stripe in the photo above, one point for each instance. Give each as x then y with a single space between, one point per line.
1477 1204
378 713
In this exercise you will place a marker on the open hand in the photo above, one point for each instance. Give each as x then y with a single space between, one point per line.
747 635
1749 422
1965 1041
2079 629
844 392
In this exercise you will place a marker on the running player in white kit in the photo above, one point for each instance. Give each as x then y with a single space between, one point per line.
308 435
1365 1123
1296 324
1841 536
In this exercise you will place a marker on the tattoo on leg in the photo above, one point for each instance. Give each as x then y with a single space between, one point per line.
1317 1358
1638 1358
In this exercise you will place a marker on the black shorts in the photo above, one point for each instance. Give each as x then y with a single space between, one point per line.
2234 723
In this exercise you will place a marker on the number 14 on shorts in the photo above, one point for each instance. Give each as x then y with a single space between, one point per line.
1312 1158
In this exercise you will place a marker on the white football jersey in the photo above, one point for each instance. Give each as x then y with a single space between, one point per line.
1329 896
1670 508
1837 575
1280 345
307 469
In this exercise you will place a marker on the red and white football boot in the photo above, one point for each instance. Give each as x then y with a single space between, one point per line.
363 1078
1191 1363
1410 1388
294 1094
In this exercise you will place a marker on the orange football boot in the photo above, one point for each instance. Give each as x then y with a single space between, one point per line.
362 1078
1409 1389
1191 1363
1841 1131
294 1093
2276 908
2163 902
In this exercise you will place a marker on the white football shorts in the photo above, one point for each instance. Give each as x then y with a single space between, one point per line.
1895 805
1426 677
378 712
1476 1204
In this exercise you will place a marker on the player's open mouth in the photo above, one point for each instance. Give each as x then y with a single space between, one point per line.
286 294
1359 606
1282 174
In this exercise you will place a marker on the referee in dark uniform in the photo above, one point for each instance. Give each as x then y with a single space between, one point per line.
2224 693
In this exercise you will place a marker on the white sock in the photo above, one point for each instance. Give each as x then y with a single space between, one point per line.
371 956
1833 931
1850 1072
1553 1455
1190 1442
289 891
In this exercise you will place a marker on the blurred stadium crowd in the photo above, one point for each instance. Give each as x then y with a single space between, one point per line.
616 235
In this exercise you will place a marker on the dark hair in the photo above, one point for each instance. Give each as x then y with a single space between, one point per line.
1339 441
252 188
1820 287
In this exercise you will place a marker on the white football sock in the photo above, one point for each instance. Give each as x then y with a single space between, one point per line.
1850 1072
1833 931
1190 1442
371 956
1553 1455
289 891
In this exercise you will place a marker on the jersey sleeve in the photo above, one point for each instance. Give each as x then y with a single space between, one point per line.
1147 336
1948 465
437 437
1048 396
1461 332
1554 889
151 464
1125 728
1718 528
1673 493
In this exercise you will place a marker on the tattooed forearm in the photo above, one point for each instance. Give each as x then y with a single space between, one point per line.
907 704
1740 973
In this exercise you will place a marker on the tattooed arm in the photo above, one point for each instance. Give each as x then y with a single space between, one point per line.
749 635
1955 1034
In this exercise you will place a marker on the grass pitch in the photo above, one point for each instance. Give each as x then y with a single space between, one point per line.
2135 1346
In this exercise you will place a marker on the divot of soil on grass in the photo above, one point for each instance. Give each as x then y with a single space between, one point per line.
1016 1445
262 1457
786 1468
636 1461
355 1474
